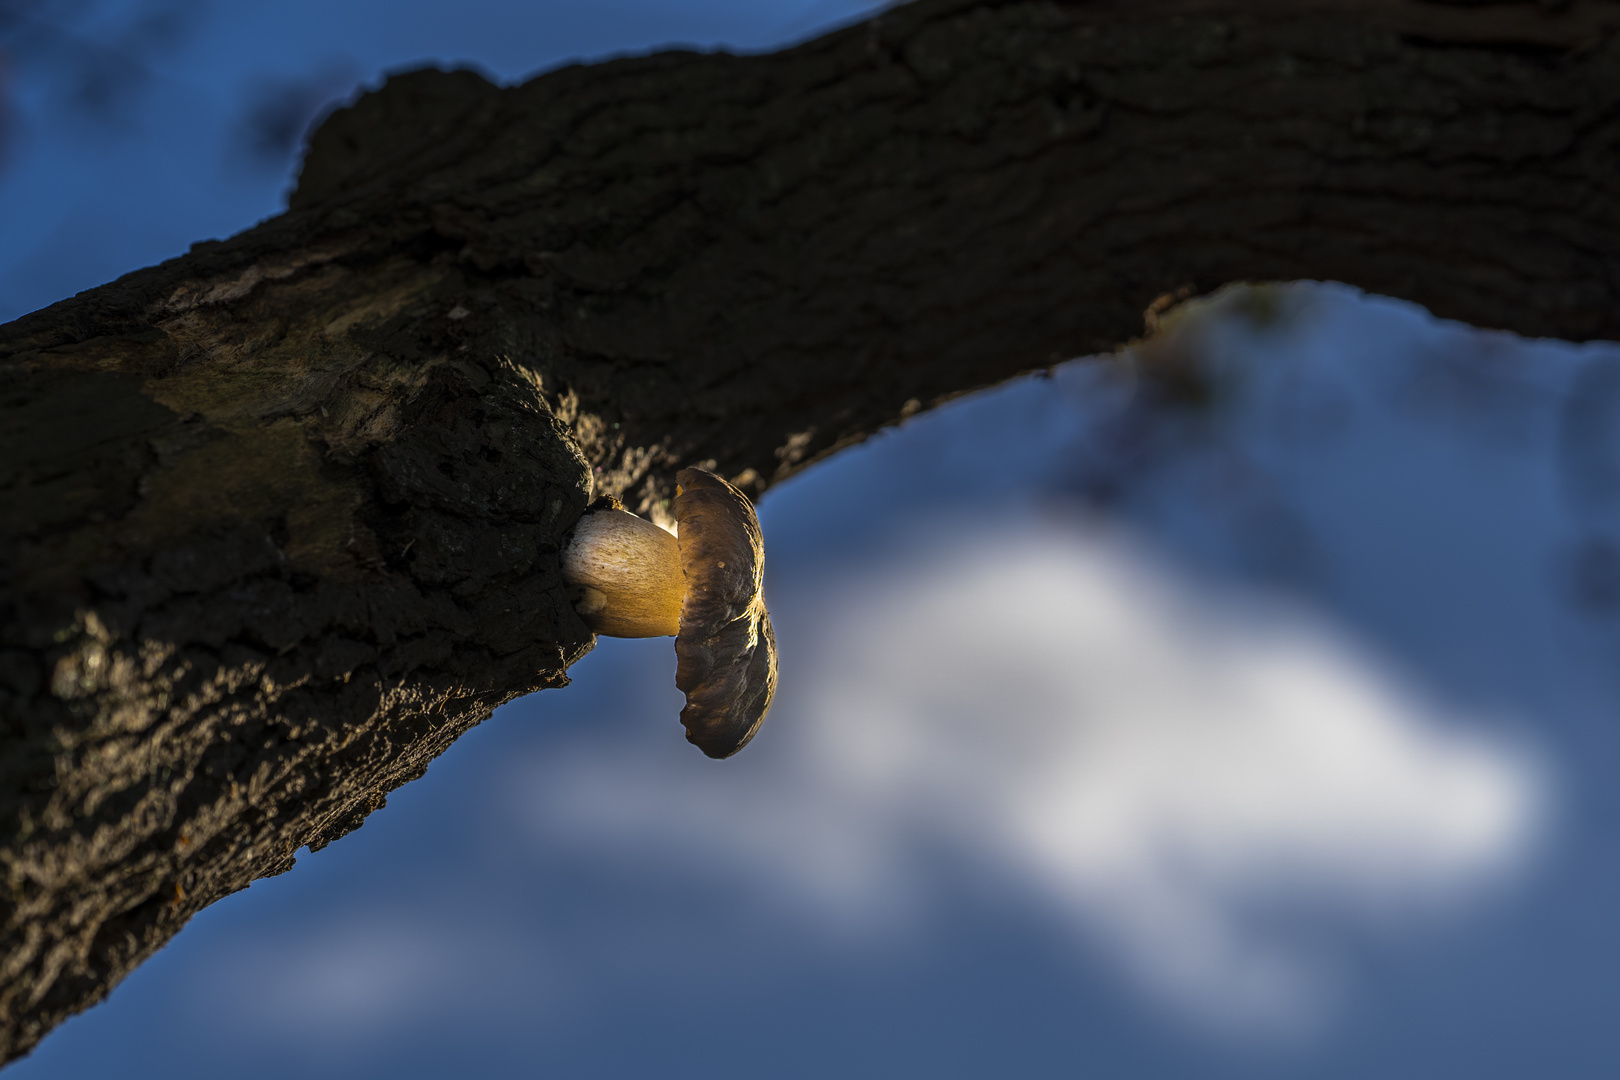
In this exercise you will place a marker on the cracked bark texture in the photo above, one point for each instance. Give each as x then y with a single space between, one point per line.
279 519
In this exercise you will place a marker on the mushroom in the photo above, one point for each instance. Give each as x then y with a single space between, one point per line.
704 586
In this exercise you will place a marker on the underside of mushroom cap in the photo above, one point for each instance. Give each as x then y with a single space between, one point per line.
726 650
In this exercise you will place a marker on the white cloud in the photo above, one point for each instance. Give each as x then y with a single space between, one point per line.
1156 760
351 977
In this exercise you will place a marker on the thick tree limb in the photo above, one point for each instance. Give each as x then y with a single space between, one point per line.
279 519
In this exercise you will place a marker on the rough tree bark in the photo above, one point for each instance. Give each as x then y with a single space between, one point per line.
279 519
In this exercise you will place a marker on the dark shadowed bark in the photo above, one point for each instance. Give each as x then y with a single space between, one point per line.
279 519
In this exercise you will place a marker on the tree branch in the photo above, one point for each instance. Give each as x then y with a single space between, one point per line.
279 519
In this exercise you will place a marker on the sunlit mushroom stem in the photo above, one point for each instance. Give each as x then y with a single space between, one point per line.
628 571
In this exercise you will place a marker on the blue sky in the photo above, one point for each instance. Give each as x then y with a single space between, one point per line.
1274 738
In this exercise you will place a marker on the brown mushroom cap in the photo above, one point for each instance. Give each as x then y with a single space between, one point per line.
726 651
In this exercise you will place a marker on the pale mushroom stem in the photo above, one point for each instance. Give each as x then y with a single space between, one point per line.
629 573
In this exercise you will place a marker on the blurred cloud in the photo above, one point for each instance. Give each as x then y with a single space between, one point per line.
92 59
1164 764
361 974
351 977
